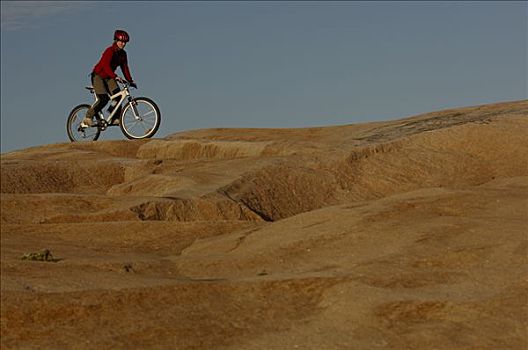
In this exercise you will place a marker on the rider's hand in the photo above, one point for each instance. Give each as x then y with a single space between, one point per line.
134 85
119 80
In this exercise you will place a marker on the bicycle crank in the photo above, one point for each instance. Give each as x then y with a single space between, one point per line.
102 124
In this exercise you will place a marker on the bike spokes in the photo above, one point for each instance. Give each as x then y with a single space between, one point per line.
140 118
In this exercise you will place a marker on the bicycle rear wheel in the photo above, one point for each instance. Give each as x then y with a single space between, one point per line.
140 118
73 126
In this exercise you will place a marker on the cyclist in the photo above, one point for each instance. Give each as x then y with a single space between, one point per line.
104 79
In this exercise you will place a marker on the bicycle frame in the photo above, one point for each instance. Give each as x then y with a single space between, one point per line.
122 95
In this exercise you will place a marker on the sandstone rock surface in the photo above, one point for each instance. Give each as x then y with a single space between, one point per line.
404 234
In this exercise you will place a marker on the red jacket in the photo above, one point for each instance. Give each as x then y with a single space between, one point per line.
112 58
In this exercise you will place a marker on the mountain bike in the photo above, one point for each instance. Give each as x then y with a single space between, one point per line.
138 117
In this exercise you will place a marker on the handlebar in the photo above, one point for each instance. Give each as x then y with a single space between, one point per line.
124 82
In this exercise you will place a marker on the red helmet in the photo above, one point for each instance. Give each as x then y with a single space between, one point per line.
121 35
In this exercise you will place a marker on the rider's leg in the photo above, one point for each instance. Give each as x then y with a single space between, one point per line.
114 88
101 100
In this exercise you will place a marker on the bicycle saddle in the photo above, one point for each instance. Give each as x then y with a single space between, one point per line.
89 88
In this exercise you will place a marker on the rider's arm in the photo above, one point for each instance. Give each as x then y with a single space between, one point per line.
125 69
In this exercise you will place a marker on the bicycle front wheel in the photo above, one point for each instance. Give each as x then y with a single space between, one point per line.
73 125
140 118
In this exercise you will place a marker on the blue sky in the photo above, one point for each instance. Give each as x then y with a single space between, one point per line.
261 64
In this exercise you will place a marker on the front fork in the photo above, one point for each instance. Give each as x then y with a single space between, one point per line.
133 103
